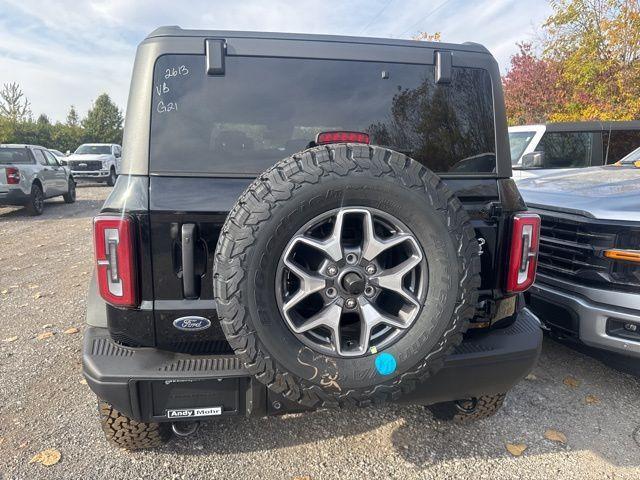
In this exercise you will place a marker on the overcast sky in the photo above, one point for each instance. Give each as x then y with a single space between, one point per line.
69 51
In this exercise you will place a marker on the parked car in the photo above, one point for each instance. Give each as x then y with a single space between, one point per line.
588 283
29 174
96 161
540 149
62 158
293 234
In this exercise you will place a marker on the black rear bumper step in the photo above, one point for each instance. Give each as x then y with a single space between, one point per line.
144 383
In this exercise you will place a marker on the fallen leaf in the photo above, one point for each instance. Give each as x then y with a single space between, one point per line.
571 382
47 325
45 335
4 292
47 457
71 331
10 339
591 400
555 436
516 449
531 376
83 381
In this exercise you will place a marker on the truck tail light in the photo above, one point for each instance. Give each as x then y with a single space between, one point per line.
523 256
115 260
324 138
13 175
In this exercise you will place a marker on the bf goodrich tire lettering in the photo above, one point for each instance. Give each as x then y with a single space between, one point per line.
271 212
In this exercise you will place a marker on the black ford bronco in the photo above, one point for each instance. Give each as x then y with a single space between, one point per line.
308 222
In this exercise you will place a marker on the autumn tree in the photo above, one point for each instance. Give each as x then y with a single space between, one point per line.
533 87
588 67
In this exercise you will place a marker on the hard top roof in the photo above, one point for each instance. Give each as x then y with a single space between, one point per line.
176 31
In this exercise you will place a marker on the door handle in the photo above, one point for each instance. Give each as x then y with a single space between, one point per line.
188 267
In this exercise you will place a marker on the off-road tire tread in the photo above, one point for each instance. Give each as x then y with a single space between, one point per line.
487 406
277 185
124 432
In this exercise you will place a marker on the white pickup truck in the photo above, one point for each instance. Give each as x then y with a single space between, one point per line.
96 161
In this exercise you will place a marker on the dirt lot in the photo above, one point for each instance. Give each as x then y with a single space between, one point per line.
45 265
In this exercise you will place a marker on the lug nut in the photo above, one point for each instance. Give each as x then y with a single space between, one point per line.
371 269
332 270
331 292
369 291
350 303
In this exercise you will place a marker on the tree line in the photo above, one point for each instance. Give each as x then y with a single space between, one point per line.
102 124
584 65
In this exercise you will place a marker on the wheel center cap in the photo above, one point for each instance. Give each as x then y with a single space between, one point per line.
353 283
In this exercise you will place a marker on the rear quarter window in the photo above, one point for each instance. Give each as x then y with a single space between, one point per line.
264 109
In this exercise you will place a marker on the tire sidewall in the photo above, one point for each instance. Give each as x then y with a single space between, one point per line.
70 197
111 180
417 344
36 207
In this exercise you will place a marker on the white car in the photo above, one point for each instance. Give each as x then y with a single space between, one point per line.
96 161
540 149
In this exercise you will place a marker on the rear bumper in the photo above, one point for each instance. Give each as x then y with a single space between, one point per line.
594 323
13 196
146 383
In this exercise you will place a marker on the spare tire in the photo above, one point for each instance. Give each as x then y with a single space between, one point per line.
345 274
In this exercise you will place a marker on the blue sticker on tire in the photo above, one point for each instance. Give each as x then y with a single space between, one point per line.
386 364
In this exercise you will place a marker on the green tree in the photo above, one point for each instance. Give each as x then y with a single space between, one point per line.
13 103
104 121
73 120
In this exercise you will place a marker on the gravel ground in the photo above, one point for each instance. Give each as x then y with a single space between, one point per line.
45 265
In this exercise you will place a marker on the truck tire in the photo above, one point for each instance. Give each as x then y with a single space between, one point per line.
111 179
373 325
35 206
124 432
70 196
468 410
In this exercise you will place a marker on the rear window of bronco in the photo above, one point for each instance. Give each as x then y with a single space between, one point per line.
264 109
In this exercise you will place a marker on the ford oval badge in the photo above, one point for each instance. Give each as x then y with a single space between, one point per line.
191 324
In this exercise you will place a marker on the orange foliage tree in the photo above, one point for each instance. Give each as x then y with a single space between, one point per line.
588 67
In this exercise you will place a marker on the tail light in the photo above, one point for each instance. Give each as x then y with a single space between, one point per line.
523 256
115 260
13 175
324 138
